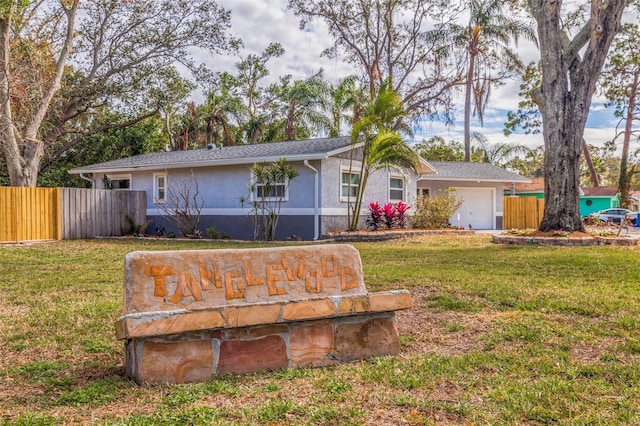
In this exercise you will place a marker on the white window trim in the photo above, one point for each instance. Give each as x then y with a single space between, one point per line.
404 188
254 193
421 188
121 177
353 171
156 187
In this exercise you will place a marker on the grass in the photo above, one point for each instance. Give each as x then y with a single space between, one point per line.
500 335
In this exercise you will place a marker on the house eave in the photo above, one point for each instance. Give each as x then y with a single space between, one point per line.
197 164
344 149
467 179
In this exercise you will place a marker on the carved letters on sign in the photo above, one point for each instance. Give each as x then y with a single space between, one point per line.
277 277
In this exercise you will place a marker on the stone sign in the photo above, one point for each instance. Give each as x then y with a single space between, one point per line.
191 315
163 281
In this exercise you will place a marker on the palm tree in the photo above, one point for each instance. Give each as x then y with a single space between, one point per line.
382 147
486 40
255 127
306 101
498 154
345 96
223 106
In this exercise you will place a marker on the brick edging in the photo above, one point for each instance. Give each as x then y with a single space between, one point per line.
564 241
357 236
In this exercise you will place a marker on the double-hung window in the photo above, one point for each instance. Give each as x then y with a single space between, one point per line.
159 187
396 188
350 181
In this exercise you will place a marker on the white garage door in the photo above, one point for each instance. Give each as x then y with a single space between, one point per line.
476 210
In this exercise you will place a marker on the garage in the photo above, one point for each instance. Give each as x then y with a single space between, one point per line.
480 185
477 208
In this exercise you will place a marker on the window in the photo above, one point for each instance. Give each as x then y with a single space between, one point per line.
159 187
271 188
424 192
117 182
349 185
274 190
396 189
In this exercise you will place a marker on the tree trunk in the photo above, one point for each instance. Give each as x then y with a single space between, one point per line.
290 127
10 147
570 69
563 140
23 152
467 105
624 182
595 180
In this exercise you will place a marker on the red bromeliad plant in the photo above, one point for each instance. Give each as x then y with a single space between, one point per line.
389 215
374 220
401 214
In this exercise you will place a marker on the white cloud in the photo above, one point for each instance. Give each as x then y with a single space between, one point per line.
260 22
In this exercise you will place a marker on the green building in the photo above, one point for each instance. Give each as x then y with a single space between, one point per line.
591 199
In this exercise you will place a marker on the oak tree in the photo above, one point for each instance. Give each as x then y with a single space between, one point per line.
570 70
92 53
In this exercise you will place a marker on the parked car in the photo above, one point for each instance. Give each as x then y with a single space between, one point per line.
616 215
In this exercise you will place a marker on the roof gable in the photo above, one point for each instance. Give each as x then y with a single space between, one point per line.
469 171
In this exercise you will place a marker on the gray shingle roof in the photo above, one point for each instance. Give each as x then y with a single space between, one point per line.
309 149
463 171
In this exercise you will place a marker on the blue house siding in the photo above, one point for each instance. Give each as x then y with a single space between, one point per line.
242 226
221 190
334 209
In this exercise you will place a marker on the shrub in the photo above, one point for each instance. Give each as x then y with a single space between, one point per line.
374 218
434 211
389 211
136 229
183 206
391 215
267 192
214 234
401 214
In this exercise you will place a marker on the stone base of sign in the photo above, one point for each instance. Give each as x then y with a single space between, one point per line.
199 356
176 328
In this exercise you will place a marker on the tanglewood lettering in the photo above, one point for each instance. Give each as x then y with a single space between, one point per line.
276 277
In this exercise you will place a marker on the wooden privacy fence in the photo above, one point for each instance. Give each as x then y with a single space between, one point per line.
28 214
522 212
89 213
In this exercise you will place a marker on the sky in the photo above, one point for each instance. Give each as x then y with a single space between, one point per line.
260 22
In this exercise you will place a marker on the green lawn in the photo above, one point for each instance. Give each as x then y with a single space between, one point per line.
518 335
